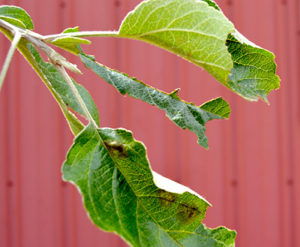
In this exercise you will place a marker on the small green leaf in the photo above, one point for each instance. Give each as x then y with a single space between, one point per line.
62 88
71 30
13 21
112 173
218 107
199 32
70 43
183 114
16 16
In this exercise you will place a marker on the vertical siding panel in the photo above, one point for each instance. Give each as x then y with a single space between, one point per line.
13 145
283 141
288 119
296 12
268 165
239 126
294 124
5 225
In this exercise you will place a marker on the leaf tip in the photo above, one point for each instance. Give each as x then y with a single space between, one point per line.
174 94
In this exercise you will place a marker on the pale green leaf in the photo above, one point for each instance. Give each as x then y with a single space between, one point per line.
183 114
13 21
198 31
16 16
112 172
189 28
70 43
62 88
71 30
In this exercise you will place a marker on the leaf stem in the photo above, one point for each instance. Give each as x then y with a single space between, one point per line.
49 38
9 56
74 90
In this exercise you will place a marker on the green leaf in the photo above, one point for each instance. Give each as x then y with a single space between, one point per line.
113 175
62 88
183 114
70 44
254 71
189 28
71 30
198 31
16 16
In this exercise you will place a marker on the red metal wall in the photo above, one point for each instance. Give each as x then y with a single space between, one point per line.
251 174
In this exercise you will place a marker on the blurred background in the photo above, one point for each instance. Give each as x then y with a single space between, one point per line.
251 173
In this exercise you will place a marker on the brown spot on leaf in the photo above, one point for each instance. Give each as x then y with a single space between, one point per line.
166 199
116 148
187 213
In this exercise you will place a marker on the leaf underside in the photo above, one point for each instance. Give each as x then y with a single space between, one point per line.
113 175
62 88
199 32
183 114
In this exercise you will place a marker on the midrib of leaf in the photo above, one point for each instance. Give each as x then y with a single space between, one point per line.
177 30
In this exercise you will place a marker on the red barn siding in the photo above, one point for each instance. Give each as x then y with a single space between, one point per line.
251 174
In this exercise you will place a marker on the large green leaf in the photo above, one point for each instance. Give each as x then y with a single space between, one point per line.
113 175
198 31
16 16
189 28
62 88
183 114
